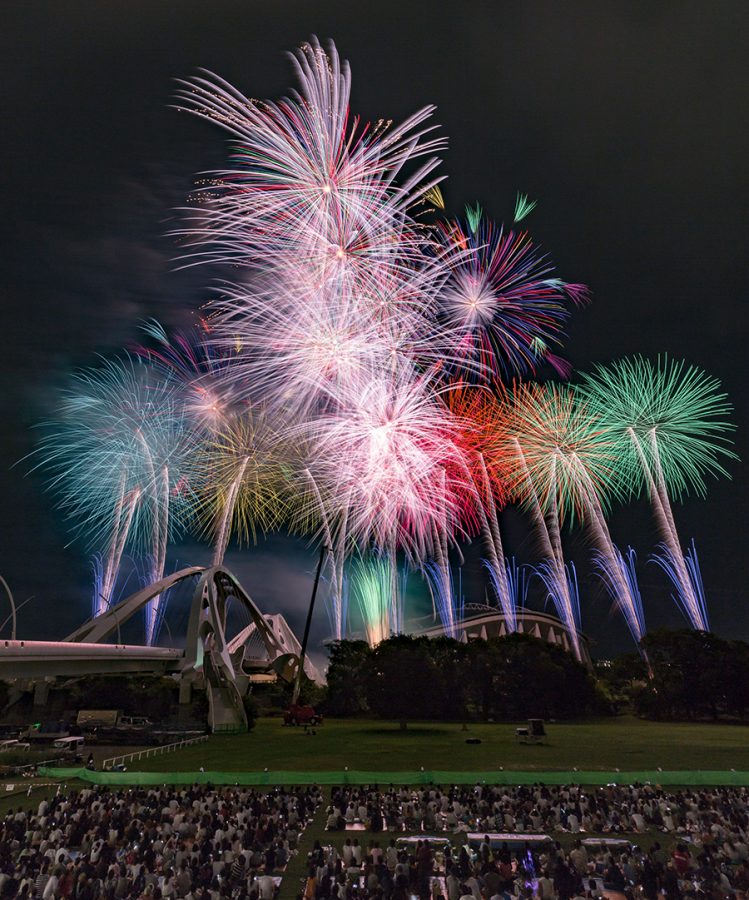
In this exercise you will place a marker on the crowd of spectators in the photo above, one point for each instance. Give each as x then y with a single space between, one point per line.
704 869
207 843
198 843
613 809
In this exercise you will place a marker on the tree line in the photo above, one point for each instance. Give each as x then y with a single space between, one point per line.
407 678
680 674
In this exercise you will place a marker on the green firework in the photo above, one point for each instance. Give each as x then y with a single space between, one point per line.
670 422
372 586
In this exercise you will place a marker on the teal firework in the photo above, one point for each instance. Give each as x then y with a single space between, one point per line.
115 452
670 420
671 425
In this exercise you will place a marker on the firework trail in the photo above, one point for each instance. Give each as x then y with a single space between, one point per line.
670 424
313 514
474 410
615 569
446 601
664 557
116 453
564 468
371 585
562 589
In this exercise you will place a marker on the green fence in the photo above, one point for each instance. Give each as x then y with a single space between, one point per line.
387 778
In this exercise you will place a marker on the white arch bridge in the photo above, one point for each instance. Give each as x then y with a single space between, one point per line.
226 665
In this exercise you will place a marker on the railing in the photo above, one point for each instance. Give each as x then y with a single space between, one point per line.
113 761
27 769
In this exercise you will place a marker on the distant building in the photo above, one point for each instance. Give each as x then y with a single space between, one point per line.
478 626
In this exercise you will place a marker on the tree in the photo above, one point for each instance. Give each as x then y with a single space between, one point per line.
689 674
519 677
402 680
347 694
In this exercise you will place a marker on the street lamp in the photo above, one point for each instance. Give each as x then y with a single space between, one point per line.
12 606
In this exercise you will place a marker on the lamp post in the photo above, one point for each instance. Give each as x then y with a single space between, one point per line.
14 611
12 606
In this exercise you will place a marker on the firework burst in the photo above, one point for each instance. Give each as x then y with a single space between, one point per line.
240 476
670 424
117 453
502 304
562 466
196 372
309 185
475 412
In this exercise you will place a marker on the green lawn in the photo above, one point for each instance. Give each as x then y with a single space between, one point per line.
368 745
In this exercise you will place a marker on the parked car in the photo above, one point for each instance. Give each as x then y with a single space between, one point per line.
301 715
14 744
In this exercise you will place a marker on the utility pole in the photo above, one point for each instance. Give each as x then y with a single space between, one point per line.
305 637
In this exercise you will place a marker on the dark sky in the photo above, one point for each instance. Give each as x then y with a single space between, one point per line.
627 121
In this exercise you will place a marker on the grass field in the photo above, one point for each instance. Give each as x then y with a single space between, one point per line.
626 743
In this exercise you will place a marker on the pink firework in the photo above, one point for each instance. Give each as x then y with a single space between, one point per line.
309 185
299 352
389 458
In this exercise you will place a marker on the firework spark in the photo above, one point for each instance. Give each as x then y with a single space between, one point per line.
523 207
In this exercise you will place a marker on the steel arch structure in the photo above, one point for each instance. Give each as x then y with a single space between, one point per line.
211 655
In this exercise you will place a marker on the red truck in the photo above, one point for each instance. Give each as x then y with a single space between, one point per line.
301 715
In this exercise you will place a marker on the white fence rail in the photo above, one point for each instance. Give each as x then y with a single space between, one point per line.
113 761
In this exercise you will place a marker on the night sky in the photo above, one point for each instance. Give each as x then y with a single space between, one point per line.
626 121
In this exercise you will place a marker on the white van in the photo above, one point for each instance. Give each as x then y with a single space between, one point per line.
14 744
69 746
